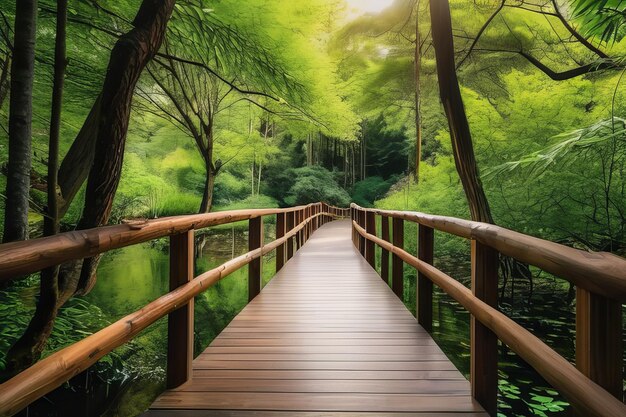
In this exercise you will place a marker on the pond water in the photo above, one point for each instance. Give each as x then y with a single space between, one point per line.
124 383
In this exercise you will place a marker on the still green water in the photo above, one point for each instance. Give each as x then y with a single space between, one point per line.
124 383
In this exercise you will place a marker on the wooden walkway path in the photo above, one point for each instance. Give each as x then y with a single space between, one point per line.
326 337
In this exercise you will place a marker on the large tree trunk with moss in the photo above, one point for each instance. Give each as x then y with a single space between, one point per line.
129 57
452 101
20 122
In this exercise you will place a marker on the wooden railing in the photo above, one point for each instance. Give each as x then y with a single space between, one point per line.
293 228
594 386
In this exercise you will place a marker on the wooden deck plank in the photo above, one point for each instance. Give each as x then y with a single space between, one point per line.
255 413
312 374
326 337
316 402
443 386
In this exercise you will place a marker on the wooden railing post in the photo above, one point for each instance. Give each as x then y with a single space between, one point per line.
180 321
397 266
599 345
370 246
290 222
280 232
384 254
303 230
362 240
425 248
255 241
484 343
353 218
296 222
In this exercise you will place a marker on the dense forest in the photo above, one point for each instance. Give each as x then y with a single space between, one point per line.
509 112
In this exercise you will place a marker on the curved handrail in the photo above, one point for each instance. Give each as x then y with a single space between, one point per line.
59 367
599 272
585 394
28 256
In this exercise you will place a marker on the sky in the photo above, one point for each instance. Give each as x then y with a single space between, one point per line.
368 6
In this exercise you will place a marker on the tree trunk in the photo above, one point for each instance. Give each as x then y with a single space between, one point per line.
258 188
211 170
209 185
49 286
51 221
418 122
345 166
129 57
455 112
20 120
77 162
4 80
252 170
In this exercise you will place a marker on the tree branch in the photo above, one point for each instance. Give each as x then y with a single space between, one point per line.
480 32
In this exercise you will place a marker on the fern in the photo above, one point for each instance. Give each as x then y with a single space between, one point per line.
569 146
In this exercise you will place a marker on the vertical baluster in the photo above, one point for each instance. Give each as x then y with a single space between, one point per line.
308 226
484 343
296 222
370 246
352 218
301 232
317 219
397 266
290 223
255 241
180 321
425 248
361 238
280 232
384 255
599 345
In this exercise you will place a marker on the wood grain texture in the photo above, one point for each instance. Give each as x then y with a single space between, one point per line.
25 257
255 241
280 232
397 266
384 255
589 398
599 345
484 343
180 321
255 413
327 336
59 367
425 252
599 272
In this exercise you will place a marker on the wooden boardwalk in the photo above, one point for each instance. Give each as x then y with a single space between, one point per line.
325 337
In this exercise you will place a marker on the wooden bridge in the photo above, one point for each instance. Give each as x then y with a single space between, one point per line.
327 336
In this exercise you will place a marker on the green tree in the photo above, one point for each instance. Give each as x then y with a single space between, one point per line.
20 122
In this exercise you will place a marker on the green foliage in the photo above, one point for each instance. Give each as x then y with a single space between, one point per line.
250 202
76 320
366 192
313 184
570 146
603 19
